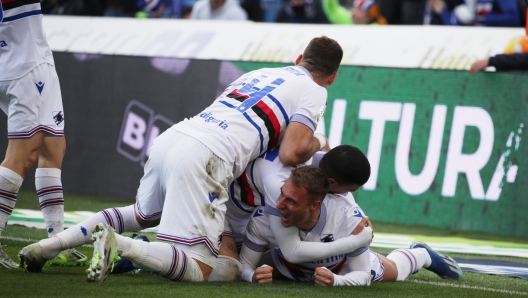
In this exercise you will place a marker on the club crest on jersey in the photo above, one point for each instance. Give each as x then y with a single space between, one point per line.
358 213
58 117
328 238
40 86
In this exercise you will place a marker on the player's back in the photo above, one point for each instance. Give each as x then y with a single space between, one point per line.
23 44
252 113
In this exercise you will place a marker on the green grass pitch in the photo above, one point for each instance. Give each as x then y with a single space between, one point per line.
71 282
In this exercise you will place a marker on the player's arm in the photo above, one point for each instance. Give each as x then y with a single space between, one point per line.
357 270
249 258
299 144
296 251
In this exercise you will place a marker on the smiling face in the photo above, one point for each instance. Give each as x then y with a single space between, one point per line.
294 204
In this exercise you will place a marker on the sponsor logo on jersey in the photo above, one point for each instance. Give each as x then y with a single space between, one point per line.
58 117
259 212
3 43
212 196
40 87
209 118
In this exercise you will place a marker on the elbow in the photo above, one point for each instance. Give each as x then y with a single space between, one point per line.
294 258
289 159
363 278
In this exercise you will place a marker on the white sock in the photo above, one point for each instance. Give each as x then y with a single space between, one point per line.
9 185
49 190
409 261
168 260
122 219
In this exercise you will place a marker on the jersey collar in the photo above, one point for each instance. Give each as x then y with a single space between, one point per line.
305 71
319 226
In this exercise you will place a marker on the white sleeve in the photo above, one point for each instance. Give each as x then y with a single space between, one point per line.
296 251
312 106
358 271
249 260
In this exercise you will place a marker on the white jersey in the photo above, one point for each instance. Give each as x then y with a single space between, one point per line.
23 44
339 217
251 115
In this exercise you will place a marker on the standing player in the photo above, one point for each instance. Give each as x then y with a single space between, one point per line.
302 207
30 96
191 165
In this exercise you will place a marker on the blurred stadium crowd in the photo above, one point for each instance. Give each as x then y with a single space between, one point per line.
497 13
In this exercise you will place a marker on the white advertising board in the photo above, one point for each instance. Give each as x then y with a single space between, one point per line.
436 47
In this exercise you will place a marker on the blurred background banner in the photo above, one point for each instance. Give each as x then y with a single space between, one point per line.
447 149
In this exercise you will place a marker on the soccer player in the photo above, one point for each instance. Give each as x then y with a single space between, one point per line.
347 169
191 165
346 166
302 206
30 96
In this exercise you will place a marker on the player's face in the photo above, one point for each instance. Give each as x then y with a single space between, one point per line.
294 205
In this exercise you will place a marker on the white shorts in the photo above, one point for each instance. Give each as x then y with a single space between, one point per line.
377 269
185 184
33 103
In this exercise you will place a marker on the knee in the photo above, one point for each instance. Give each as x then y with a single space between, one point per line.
146 223
29 162
226 269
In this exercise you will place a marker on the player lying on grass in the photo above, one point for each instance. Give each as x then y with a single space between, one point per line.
319 219
347 169
191 165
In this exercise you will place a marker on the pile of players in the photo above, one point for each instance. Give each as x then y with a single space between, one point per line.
252 174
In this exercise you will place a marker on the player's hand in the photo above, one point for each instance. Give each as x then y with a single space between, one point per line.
365 222
479 65
263 275
323 277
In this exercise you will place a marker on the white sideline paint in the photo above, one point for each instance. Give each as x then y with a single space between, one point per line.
29 240
466 287
32 218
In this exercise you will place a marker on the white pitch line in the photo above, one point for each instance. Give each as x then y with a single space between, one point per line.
29 240
466 287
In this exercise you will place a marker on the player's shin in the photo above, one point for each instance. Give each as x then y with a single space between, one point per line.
9 185
163 258
409 261
49 190
122 219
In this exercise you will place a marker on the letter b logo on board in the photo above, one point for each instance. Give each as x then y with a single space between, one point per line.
140 127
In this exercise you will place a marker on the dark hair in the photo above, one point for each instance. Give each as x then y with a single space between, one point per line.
346 165
313 179
322 56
